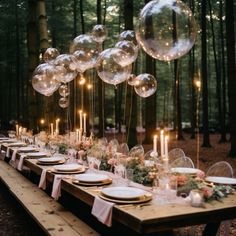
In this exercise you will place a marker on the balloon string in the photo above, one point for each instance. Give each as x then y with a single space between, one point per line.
103 112
68 119
75 102
114 111
124 118
130 111
197 126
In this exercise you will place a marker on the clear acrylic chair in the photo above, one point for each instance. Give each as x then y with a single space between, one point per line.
136 151
182 162
123 148
221 169
175 154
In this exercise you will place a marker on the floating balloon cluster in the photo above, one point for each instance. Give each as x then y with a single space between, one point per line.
166 30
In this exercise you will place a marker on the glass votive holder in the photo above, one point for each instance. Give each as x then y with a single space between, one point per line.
196 198
168 187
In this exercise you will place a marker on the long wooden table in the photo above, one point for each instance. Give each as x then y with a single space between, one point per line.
150 218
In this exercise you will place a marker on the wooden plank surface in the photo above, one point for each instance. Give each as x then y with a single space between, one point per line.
49 214
154 217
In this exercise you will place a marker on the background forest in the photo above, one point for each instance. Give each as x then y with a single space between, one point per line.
28 28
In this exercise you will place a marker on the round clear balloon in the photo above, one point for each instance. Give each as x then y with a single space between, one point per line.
84 61
44 79
128 35
109 70
131 80
99 33
69 62
64 90
166 29
50 54
86 44
131 51
63 102
145 85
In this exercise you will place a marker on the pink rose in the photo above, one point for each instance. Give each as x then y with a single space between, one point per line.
201 174
207 192
112 161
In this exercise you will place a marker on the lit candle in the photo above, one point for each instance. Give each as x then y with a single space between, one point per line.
57 126
80 119
84 122
155 143
166 147
77 135
17 130
20 130
162 142
51 125
80 135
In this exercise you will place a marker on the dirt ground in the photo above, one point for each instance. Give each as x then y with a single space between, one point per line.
15 222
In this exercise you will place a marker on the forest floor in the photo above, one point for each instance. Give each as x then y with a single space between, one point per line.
15 222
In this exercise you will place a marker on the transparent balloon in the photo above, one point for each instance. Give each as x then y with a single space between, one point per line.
50 54
69 62
44 79
109 70
86 44
131 51
84 60
166 29
64 90
145 85
63 102
131 80
128 35
99 33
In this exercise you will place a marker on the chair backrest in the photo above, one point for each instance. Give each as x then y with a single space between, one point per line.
136 151
175 153
182 162
221 168
123 148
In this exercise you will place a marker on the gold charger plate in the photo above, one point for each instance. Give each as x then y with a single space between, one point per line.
68 172
145 198
104 182
50 163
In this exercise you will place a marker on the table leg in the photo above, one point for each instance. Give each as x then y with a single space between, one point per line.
211 229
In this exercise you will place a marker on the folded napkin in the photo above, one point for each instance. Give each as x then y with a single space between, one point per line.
13 157
8 152
42 182
140 186
21 161
102 210
56 188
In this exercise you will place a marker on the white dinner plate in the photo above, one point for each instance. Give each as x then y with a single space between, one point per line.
184 170
221 180
68 167
37 154
50 159
4 138
125 193
26 149
91 178
17 144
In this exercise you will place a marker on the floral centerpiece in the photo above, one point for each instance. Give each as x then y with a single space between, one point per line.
209 191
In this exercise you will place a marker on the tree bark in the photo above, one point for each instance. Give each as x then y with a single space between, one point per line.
206 139
231 72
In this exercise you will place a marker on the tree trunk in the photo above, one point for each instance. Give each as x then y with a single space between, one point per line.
206 139
222 46
231 72
33 56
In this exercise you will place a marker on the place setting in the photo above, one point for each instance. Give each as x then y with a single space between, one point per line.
90 179
54 160
125 195
71 168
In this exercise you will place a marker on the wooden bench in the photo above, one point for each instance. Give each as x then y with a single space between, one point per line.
51 216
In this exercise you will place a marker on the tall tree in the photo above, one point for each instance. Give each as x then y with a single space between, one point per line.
32 47
206 139
231 72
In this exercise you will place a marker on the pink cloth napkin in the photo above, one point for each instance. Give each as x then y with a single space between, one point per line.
13 157
102 210
8 152
42 182
20 164
56 188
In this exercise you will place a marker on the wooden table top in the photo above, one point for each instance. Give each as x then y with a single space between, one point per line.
151 217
